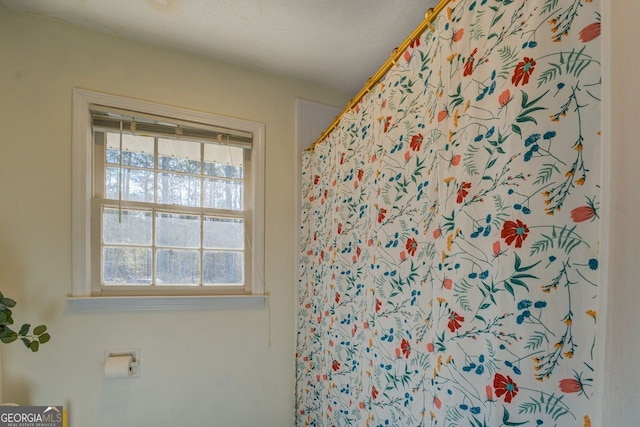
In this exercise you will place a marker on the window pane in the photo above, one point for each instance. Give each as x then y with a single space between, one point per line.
137 185
223 171
223 233
177 267
178 189
224 161
179 156
223 268
126 266
178 230
132 227
137 150
178 165
223 194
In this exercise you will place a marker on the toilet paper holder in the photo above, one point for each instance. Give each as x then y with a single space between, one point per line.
134 366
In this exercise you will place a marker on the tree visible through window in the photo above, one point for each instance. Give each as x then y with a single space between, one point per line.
171 211
166 202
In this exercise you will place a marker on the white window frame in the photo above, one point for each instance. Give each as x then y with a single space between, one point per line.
82 298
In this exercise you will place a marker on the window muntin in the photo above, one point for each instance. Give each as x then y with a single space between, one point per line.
173 213
86 295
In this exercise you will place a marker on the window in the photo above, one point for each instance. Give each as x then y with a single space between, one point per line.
167 202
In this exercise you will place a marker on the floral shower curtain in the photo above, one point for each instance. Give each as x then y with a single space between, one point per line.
449 253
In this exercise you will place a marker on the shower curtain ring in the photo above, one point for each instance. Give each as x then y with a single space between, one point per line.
427 17
394 54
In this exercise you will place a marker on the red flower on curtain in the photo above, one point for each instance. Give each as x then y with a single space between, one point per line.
570 385
454 321
514 231
382 212
405 347
489 391
590 32
584 213
468 66
457 36
505 386
437 402
374 392
504 98
416 142
496 248
411 246
387 123
462 191
335 365
523 71
575 384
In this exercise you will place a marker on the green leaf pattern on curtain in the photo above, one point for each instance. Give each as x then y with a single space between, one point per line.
449 253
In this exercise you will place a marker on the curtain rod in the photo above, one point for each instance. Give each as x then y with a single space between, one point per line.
429 17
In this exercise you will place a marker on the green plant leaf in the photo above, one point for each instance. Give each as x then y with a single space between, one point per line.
525 100
522 119
524 276
536 340
518 264
516 129
477 423
506 422
509 289
8 302
496 19
39 330
24 329
9 337
519 282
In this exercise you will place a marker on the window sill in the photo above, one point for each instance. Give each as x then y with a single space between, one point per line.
152 303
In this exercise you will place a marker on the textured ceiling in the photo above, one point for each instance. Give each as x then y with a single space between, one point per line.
337 43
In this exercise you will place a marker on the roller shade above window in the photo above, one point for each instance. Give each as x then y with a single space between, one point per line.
132 122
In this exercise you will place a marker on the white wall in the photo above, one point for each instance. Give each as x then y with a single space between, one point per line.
621 372
199 368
